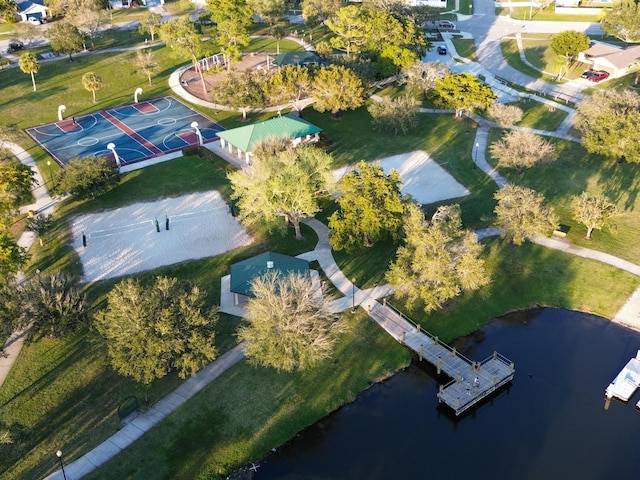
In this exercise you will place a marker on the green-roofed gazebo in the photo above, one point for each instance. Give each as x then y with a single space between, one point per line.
298 58
244 139
243 273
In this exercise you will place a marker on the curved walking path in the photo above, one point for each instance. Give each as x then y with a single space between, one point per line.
43 204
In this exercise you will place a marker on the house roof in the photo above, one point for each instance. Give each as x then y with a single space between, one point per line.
25 6
281 127
243 273
298 58
614 56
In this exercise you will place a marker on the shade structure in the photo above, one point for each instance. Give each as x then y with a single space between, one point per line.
243 273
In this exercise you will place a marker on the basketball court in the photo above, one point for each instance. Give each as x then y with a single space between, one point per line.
138 131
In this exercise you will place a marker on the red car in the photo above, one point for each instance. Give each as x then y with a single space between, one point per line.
598 75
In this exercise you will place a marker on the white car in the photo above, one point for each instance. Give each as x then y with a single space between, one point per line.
36 20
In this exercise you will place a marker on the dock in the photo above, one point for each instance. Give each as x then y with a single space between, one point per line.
472 381
626 382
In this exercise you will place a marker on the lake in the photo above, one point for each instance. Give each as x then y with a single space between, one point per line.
550 423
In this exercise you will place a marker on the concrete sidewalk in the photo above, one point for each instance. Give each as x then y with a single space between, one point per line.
43 204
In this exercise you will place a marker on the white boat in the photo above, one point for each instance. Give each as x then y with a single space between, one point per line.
627 381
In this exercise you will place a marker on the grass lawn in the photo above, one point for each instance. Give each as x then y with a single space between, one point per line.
466 47
187 445
576 171
512 57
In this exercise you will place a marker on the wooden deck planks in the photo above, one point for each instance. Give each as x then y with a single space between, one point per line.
463 392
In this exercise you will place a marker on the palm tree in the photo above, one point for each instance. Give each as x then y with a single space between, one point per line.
92 82
29 64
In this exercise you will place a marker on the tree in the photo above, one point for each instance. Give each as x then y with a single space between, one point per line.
422 76
241 90
505 115
394 115
88 177
181 35
232 19
317 11
288 326
268 10
13 257
351 29
291 84
92 83
336 88
438 261
288 184
521 214
370 208
29 64
54 305
153 329
11 301
150 23
569 44
278 32
8 10
147 63
593 211
522 149
622 21
89 17
39 225
16 182
609 122
65 38
463 91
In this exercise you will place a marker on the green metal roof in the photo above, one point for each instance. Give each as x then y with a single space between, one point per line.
298 58
285 126
243 273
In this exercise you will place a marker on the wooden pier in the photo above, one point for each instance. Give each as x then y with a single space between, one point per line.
471 382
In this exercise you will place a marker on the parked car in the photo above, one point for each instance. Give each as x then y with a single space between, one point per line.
442 51
598 75
446 24
15 46
36 20
587 74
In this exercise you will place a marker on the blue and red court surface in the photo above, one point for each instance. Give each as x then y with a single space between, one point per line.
139 131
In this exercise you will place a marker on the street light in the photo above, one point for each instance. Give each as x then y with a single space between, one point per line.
475 156
59 455
353 295
50 172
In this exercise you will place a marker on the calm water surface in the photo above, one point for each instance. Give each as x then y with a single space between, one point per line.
549 424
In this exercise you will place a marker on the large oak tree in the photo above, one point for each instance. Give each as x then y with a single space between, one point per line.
521 214
153 329
289 324
438 261
622 21
608 121
371 208
288 183
463 91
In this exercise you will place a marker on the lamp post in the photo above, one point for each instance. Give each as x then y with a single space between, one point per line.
137 92
475 156
353 295
59 455
50 172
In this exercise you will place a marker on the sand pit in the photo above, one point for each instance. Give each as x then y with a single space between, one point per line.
126 240
425 180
